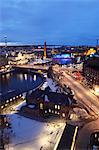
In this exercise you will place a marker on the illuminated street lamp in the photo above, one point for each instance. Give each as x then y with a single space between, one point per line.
96 90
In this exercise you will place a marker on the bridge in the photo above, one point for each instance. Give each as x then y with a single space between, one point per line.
33 67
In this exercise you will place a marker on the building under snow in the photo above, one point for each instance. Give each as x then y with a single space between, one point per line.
46 103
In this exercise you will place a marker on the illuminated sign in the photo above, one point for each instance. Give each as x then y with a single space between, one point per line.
62 58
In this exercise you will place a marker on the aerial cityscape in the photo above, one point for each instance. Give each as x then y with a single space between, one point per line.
49 75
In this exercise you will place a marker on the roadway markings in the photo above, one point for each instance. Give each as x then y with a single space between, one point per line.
74 138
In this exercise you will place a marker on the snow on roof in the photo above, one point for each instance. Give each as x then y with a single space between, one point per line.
31 106
44 85
46 98
51 84
20 105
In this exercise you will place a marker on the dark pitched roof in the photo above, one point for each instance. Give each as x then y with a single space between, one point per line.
35 94
57 98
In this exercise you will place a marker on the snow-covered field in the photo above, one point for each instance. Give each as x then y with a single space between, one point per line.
32 135
28 134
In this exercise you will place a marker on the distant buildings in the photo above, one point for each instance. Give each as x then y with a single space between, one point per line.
62 59
3 63
20 58
91 71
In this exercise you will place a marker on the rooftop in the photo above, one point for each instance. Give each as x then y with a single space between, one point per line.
48 96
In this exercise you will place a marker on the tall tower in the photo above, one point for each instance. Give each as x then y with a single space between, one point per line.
44 50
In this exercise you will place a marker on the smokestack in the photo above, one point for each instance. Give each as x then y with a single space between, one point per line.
44 50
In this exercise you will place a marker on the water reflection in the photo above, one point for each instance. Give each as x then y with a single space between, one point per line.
25 76
18 82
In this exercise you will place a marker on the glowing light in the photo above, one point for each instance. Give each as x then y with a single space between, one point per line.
25 76
7 101
96 90
10 99
6 104
2 106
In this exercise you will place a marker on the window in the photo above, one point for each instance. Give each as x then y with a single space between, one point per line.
49 110
95 135
63 114
55 106
55 112
45 111
41 105
7 101
10 99
2 106
58 107
52 111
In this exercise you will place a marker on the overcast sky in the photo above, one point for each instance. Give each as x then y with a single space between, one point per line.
54 21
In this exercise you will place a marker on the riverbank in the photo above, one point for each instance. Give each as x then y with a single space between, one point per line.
6 99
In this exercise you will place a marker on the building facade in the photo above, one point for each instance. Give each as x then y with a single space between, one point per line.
45 104
91 71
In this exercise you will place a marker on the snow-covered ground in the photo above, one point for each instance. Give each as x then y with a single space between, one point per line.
28 134
23 103
51 84
32 135
14 108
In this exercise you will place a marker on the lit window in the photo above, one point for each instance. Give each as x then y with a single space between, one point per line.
58 113
52 111
58 106
95 135
55 112
5 104
45 111
49 110
55 106
11 99
5 119
2 106
7 101
41 106
63 114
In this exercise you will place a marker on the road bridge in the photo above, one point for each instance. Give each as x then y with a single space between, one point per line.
33 67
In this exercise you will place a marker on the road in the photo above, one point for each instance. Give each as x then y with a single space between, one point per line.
83 138
83 95
37 67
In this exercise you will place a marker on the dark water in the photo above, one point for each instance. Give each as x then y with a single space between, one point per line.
17 82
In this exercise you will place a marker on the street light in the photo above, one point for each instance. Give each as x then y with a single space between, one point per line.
96 90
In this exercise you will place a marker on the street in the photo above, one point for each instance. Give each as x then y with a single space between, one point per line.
82 94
